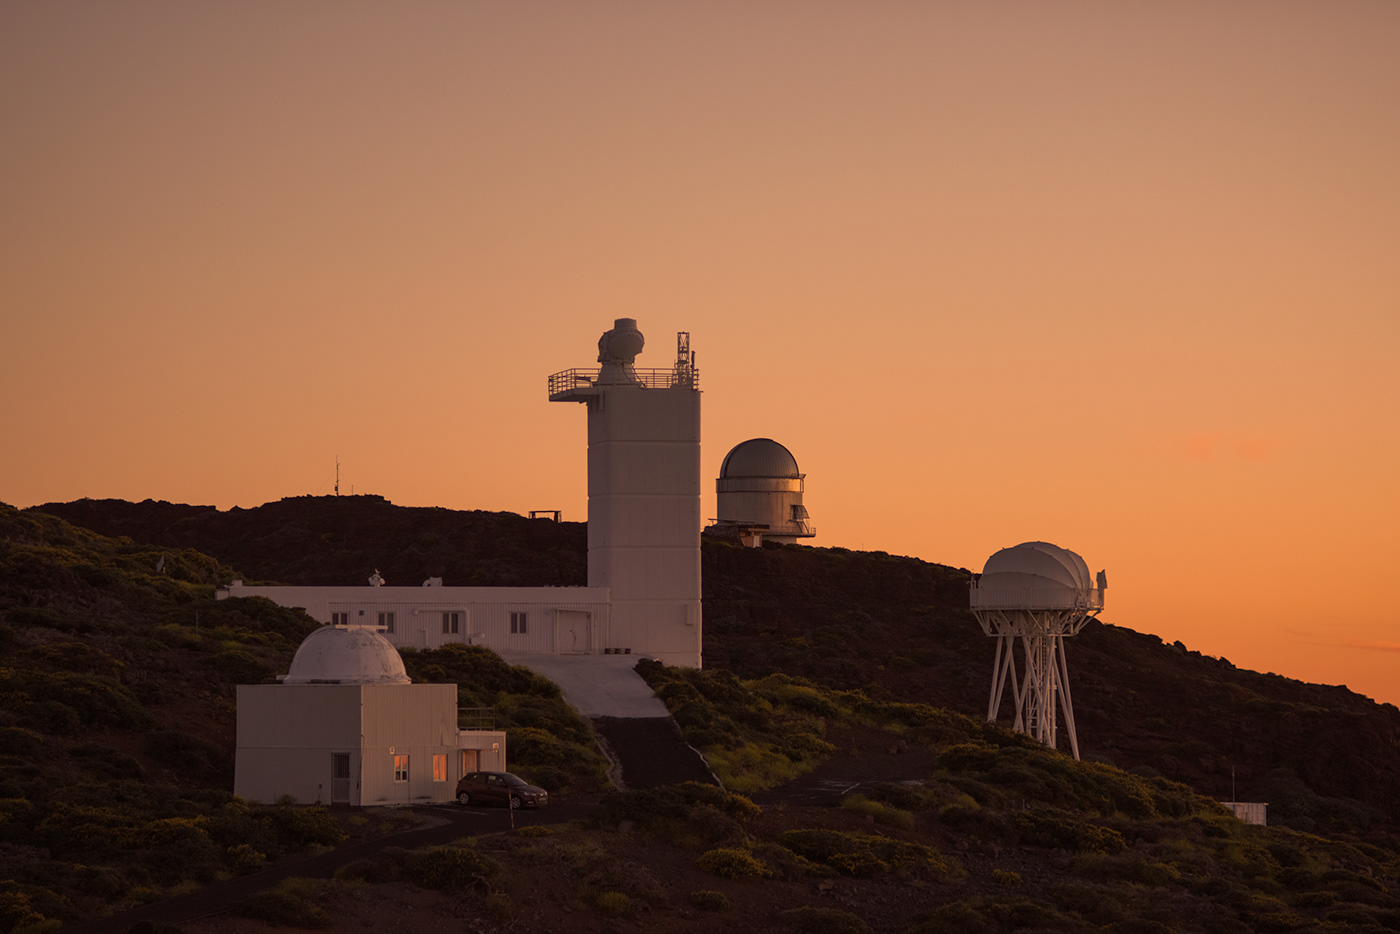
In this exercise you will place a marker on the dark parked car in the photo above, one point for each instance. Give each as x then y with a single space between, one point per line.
501 788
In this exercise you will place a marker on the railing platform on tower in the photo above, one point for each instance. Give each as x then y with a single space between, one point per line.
1001 597
579 384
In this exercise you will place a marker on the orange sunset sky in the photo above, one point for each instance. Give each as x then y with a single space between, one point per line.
1120 276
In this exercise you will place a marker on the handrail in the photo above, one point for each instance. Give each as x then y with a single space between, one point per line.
476 718
1036 598
566 381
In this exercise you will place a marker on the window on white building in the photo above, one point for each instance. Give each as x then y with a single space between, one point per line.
400 768
451 623
519 622
386 621
340 619
440 768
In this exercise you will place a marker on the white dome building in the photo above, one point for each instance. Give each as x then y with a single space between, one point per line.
331 655
347 726
1037 575
759 491
1034 595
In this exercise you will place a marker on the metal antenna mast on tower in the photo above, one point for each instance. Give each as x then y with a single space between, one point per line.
337 475
1035 594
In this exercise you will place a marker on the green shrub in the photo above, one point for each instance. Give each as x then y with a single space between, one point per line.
1006 877
977 822
731 863
54 717
1046 776
98 700
20 742
244 859
177 849
1124 867
285 905
17 914
707 900
877 811
864 855
906 797
183 752
237 666
107 762
451 868
690 814
810 919
1049 827
992 915
535 830
613 904
305 826
1316 899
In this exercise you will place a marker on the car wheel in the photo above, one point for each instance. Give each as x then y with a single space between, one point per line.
464 799
515 803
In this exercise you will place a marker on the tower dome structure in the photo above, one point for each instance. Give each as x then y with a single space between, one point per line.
760 489
1035 594
332 655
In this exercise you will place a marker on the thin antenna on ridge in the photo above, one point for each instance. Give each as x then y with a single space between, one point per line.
337 475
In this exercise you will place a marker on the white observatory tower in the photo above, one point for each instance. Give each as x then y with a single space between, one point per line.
760 491
1035 593
643 493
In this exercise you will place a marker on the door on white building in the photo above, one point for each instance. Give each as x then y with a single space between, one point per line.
470 762
340 778
575 629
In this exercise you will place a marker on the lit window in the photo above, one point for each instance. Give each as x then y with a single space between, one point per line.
519 622
440 768
386 621
451 623
400 768
340 619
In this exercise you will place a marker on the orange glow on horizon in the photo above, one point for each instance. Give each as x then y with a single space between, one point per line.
1121 278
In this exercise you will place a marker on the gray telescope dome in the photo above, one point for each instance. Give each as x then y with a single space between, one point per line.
1037 574
346 656
1050 564
759 457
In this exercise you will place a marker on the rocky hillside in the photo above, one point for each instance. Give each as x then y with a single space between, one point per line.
894 627
118 672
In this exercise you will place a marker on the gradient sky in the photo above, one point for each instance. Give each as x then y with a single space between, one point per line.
1120 276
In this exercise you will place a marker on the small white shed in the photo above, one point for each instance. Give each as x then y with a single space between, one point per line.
346 726
1251 812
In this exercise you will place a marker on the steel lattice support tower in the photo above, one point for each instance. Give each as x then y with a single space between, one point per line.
1035 595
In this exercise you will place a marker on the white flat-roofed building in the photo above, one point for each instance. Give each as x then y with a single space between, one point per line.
643 593
346 726
1251 812
508 620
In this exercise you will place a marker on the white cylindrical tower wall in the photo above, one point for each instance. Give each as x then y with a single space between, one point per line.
643 494
644 517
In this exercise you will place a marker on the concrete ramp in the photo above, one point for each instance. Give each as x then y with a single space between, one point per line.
597 685
634 726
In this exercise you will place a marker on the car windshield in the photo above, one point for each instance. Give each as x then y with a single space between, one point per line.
515 780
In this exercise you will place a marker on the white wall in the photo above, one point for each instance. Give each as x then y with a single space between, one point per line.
485 613
644 517
287 735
